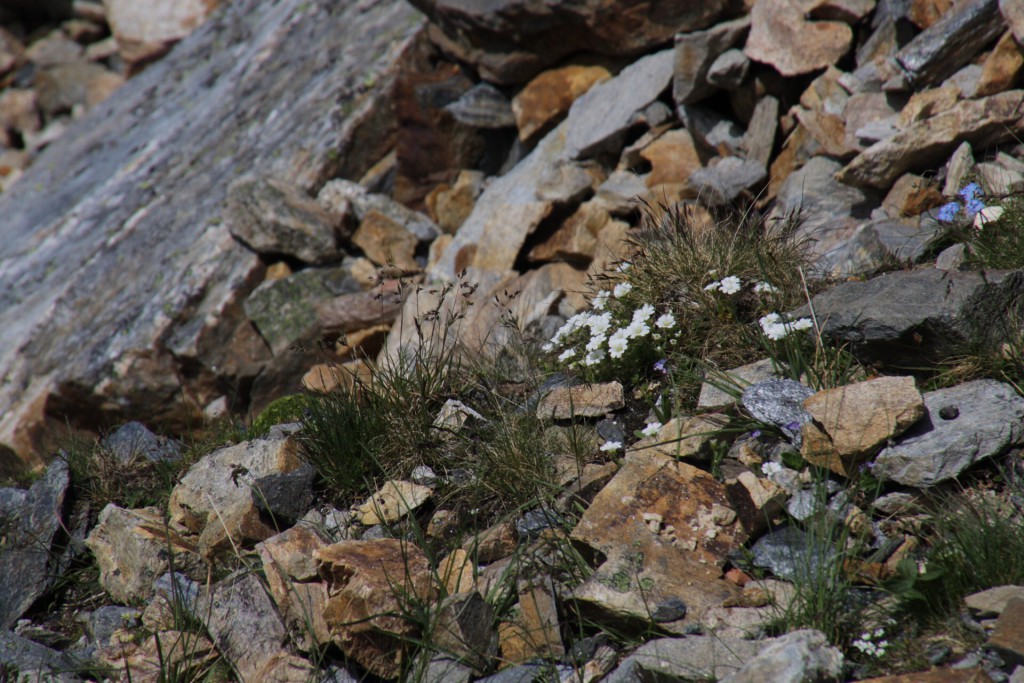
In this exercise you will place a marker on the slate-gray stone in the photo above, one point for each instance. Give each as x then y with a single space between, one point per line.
796 657
134 440
790 553
27 562
694 658
939 314
724 182
287 496
779 402
117 271
34 662
989 419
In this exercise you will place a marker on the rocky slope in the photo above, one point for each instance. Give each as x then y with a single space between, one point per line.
196 243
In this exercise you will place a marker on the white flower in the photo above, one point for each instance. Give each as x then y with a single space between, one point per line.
651 429
765 288
617 344
713 272
643 314
666 321
624 266
802 324
547 346
987 215
594 357
599 324
713 286
771 468
730 285
596 342
637 329
611 446
622 289
566 355
600 299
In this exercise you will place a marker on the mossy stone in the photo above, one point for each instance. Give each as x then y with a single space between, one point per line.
280 411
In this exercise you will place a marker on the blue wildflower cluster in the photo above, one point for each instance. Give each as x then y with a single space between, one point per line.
971 195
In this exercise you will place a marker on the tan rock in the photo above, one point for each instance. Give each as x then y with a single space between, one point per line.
828 130
293 579
982 122
683 437
924 13
781 37
576 238
214 497
456 572
385 241
756 500
365 343
146 31
911 195
666 528
368 584
587 400
450 205
673 157
1013 13
538 619
463 628
11 49
799 146
325 377
972 675
1008 636
133 548
548 97
992 602
492 544
19 110
394 500
759 138
188 654
927 103
612 247
1002 67
52 49
857 419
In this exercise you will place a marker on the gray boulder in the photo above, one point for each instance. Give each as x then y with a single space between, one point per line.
912 318
962 425
797 657
119 281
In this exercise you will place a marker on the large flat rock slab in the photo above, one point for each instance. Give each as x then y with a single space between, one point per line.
120 284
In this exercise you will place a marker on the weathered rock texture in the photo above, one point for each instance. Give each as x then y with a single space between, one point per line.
120 287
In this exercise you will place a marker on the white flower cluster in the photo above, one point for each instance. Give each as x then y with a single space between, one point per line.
651 429
603 342
775 328
871 643
727 285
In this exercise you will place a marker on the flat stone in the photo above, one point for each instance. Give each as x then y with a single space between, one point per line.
683 437
463 628
28 561
970 675
722 183
336 194
1000 180
601 117
29 658
963 424
449 206
619 193
483 106
576 239
756 500
791 553
65 87
729 69
386 242
19 110
949 43
984 122
365 580
492 544
666 528
858 418
145 33
1008 636
694 54
991 603
759 138
285 496
673 157
781 37
940 312
713 398
511 41
1014 16
563 403
272 217
393 501
215 498
133 440
548 96
796 657
693 658
284 311
714 133
829 210
134 547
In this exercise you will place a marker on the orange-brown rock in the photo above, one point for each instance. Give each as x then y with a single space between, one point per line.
910 195
586 400
924 13
682 437
782 37
294 584
369 584
673 157
575 240
449 205
385 242
1002 67
546 99
857 419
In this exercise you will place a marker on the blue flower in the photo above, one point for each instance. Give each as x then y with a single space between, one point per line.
970 192
756 434
974 206
660 366
948 212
